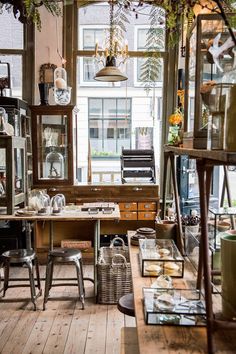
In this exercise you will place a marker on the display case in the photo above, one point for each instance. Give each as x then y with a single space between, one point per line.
183 307
208 66
160 257
12 172
52 137
17 115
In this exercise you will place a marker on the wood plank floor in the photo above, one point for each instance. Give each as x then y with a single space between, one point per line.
63 327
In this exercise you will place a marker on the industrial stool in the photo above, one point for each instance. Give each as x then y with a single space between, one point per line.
62 255
26 257
126 304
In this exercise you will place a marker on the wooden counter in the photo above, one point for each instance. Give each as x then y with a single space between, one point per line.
153 339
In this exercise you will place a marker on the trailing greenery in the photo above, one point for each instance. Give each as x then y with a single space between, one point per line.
152 65
32 10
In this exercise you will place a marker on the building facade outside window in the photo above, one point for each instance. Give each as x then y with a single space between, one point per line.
109 126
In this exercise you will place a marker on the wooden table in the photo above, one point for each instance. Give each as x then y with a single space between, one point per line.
70 215
205 162
161 339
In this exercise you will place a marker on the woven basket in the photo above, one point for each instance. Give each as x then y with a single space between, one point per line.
114 273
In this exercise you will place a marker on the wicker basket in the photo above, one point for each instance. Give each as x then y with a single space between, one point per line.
114 273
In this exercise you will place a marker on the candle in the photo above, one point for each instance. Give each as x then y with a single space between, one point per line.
116 46
126 47
96 48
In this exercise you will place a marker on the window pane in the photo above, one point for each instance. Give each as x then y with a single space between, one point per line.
89 69
92 36
123 108
11 30
110 108
15 62
144 65
95 108
142 38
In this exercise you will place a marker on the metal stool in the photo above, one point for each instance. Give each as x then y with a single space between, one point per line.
62 255
26 257
126 304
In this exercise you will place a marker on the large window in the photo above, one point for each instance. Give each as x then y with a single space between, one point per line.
111 114
109 125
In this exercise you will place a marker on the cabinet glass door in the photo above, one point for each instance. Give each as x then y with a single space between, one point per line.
205 70
52 150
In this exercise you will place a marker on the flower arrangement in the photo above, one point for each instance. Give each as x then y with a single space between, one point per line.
175 121
176 118
190 220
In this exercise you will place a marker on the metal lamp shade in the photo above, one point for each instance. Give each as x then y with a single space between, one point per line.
110 74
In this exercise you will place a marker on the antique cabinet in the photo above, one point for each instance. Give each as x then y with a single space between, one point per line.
52 138
207 65
12 172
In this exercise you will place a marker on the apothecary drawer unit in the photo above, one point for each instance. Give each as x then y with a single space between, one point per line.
138 210
52 137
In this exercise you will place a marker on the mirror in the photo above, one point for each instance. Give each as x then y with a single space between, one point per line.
46 73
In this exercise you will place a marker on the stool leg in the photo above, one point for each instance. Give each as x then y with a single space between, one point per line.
82 273
80 281
32 284
38 275
48 281
6 277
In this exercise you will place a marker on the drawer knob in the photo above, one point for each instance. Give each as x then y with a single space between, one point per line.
136 189
96 189
52 189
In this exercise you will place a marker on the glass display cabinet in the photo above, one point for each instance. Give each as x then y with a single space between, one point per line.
12 172
52 140
160 257
209 61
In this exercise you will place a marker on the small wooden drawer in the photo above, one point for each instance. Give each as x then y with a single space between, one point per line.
147 206
128 206
128 215
146 215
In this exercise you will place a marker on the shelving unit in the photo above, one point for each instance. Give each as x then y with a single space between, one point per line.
18 116
12 166
206 160
138 164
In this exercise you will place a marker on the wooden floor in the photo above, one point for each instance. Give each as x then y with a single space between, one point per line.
63 327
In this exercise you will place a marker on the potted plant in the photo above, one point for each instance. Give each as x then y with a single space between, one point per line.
191 222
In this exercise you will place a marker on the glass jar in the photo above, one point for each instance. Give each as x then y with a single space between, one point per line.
3 120
58 203
62 92
55 164
62 95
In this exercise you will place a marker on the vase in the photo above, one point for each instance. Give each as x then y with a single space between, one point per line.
228 273
43 92
173 135
166 230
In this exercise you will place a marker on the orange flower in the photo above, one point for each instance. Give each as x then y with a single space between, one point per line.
176 118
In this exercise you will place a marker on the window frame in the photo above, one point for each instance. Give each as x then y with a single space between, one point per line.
27 55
